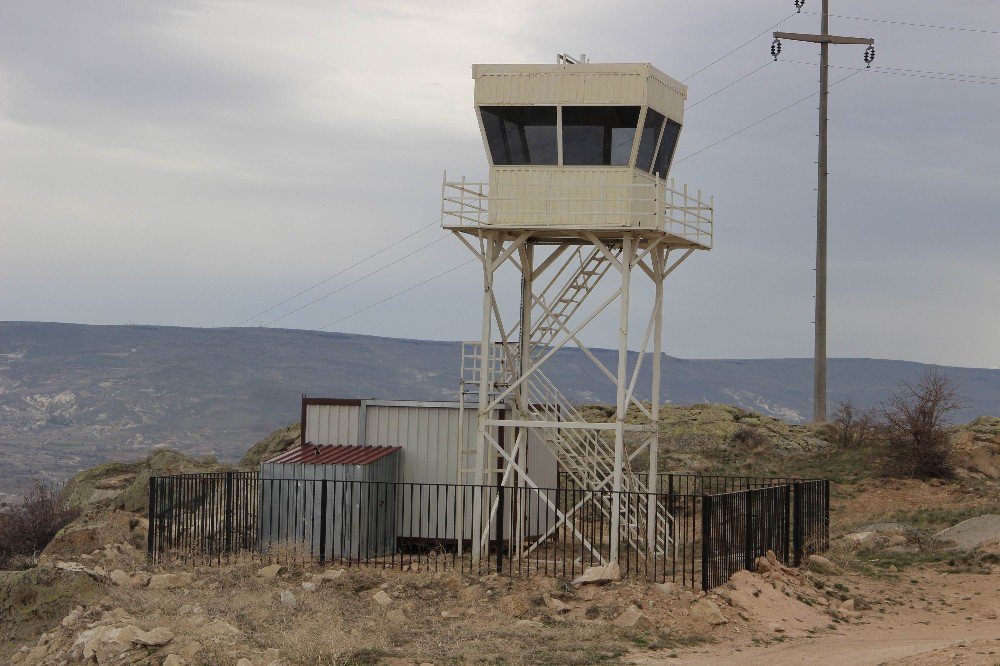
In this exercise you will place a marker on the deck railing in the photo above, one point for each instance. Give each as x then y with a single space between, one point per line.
657 204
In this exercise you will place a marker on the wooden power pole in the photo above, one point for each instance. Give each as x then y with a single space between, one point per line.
824 39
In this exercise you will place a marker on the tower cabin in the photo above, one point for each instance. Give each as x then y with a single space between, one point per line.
579 147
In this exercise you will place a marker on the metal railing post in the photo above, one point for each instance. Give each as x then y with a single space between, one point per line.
706 537
322 521
797 508
151 522
227 524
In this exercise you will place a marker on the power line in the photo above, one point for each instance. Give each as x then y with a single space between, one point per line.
743 45
367 307
765 118
727 87
917 74
229 330
911 25
244 331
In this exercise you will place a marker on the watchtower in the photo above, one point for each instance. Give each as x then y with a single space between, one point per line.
579 195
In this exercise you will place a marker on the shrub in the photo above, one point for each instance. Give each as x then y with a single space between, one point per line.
28 526
915 422
853 427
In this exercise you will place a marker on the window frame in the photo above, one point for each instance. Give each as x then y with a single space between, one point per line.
636 139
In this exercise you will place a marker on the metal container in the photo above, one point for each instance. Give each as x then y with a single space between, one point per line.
331 501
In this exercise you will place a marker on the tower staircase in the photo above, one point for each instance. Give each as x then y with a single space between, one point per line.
584 454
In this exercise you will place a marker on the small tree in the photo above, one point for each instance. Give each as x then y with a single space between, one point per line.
853 427
915 424
28 526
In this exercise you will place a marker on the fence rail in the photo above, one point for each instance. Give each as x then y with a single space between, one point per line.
717 526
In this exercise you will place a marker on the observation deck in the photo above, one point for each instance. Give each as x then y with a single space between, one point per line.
578 149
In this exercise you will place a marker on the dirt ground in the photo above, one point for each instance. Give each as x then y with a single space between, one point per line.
941 618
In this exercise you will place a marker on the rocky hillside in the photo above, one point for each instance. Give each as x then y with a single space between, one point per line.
73 396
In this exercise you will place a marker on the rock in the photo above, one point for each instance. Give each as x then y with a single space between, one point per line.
772 559
140 579
885 528
310 587
329 574
706 611
821 565
271 571
847 606
170 581
969 534
633 617
286 597
555 605
382 599
668 589
763 566
397 616
119 577
174 660
244 662
470 593
219 629
599 575
154 637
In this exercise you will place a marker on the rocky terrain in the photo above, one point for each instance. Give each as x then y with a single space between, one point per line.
74 396
911 578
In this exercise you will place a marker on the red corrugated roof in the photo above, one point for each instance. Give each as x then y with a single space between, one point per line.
314 454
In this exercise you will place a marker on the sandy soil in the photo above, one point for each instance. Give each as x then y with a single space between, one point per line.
938 619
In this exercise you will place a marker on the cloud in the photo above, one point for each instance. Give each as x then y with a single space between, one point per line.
194 162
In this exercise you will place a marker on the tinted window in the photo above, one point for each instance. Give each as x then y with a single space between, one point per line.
599 134
666 152
647 142
521 134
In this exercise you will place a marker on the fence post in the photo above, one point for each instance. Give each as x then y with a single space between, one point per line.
322 521
748 529
786 530
150 527
501 506
706 537
227 521
797 545
670 494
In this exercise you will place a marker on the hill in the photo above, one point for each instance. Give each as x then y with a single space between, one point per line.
73 396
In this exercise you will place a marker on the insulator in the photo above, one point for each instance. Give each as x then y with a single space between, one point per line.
799 4
776 49
870 55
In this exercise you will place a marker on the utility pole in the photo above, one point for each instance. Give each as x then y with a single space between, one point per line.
824 39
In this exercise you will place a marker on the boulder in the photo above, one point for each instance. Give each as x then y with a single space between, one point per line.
668 589
600 575
271 571
310 587
633 617
555 605
288 598
119 577
219 629
821 565
705 610
169 581
382 599
971 533
173 660
154 637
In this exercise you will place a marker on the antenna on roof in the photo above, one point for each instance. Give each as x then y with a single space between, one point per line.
567 59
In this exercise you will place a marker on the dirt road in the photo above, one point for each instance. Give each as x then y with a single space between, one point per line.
927 617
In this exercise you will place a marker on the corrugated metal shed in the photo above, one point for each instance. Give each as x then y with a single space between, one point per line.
359 516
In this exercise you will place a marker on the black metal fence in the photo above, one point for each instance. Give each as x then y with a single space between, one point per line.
696 538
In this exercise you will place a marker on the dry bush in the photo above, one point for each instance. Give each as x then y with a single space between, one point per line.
28 526
853 427
915 423
749 439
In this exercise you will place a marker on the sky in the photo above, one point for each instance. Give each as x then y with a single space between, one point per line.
195 163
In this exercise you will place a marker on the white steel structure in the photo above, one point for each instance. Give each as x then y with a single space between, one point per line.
577 197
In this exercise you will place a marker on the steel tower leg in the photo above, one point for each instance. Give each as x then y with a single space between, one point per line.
488 246
625 269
